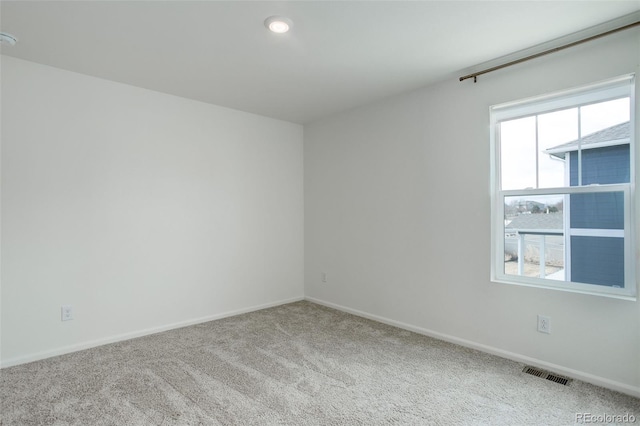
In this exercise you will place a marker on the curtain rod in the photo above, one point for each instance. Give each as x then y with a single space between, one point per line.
546 52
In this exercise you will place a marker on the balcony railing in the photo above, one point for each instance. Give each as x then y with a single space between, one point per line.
520 235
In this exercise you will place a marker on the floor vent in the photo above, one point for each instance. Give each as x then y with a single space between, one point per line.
546 375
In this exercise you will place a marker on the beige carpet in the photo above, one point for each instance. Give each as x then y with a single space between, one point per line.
297 364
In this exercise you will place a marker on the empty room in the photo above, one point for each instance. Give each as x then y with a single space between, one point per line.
319 212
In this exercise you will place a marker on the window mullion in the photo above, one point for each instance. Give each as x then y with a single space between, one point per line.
537 156
579 146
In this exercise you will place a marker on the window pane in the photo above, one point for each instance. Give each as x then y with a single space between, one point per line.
555 129
605 135
518 153
534 236
603 115
597 260
598 210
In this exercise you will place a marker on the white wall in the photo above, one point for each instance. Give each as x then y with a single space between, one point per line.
141 210
397 213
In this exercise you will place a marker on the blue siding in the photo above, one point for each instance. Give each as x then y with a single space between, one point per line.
601 165
597 260
598 210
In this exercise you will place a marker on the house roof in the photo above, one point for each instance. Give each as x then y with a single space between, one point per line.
537 221
614 135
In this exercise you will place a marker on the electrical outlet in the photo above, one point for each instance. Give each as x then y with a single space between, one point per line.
544 324
67 312
323 276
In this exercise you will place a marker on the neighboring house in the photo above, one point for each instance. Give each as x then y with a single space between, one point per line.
537 222
605 156
595 239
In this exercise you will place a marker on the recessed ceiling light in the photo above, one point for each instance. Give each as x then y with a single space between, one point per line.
6 38
278 24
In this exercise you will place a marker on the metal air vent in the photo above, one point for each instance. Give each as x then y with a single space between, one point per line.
556 378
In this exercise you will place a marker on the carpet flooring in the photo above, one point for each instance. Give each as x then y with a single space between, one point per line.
296 364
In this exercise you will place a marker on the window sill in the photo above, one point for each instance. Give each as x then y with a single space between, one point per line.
568 290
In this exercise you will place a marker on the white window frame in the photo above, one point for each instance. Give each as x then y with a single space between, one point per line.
622 86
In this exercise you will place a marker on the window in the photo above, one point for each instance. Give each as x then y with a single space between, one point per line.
563 174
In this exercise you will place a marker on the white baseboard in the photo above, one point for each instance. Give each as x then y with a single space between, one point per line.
575 374
139 333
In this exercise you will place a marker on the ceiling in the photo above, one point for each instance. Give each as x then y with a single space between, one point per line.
338 55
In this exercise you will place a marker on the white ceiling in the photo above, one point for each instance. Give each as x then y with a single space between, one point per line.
339 54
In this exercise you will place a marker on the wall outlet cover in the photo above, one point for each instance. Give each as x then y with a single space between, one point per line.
66 312
544 324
